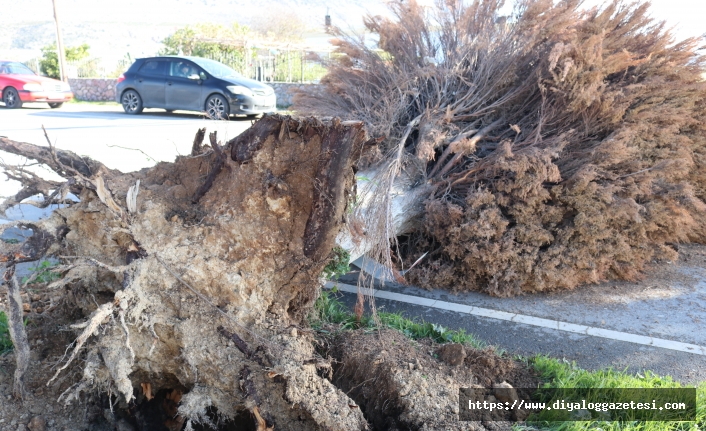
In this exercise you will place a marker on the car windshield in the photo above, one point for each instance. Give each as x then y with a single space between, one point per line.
219 70
16 68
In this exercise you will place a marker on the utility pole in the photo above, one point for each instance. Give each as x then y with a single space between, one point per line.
60 47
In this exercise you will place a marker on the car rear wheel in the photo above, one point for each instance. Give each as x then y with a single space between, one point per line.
217 107
11 98
56 105
132 102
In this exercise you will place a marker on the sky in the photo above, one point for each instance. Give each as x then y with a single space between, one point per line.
688 16
112 39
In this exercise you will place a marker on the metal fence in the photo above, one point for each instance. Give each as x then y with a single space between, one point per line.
262 64
34 65
88 68
96 68
272 65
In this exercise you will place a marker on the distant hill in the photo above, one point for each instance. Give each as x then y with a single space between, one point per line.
138 26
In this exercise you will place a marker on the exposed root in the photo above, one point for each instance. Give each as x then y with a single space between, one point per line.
111 268
196 148
131 199
121 314
17 331
98 318
215 169
159 276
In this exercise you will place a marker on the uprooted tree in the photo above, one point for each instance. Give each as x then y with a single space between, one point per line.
537 151
197 275
185 290
546 150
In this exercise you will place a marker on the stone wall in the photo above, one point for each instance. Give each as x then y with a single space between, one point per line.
104 90
93 90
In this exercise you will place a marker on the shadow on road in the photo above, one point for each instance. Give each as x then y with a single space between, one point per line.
147 114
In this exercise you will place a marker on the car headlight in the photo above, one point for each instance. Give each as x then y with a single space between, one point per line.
65 87
33 87
239 89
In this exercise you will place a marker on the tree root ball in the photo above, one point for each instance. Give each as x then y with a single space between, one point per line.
202 297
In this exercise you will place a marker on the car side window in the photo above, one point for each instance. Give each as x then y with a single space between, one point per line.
185 69
152 68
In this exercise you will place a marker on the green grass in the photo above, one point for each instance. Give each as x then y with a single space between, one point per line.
329 310
562 374
5 341
338 265
554 372
42 273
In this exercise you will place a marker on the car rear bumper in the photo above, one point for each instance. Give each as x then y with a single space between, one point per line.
119 88
46 96
252 105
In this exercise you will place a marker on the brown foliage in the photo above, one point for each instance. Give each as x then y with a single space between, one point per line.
563 146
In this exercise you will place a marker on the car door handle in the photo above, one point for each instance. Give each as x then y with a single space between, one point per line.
169 82
139 80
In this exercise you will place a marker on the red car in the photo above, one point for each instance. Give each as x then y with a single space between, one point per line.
18 84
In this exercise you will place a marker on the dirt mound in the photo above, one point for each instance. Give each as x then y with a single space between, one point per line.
403 384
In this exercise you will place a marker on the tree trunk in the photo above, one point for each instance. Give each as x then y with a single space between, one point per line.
406 209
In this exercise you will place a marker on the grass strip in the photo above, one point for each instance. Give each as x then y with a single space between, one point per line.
329 310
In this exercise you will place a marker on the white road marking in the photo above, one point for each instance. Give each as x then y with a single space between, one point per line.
527 320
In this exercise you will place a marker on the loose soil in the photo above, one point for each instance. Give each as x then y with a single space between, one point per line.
398 383
402 384
373 368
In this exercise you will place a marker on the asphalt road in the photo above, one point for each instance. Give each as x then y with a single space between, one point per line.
672 313
106 133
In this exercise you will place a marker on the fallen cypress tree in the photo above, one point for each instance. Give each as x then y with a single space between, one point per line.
532 152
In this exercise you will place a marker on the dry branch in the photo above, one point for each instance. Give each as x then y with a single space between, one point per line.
64 163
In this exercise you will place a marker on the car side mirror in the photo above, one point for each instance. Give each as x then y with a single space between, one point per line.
194 76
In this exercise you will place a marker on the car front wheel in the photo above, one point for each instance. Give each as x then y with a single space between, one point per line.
132 102
217 107
56 105
11 98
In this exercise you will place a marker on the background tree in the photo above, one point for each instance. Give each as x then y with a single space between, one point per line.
215 41
280 26
206 40
49 64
